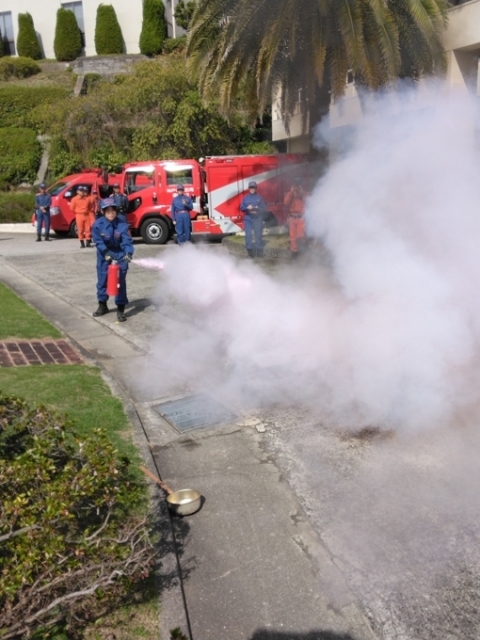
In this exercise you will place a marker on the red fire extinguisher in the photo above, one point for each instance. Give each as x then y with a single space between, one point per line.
113 279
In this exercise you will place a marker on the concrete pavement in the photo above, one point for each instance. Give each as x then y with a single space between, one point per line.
251 565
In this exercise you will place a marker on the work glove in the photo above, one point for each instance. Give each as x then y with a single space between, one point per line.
127 257
108 256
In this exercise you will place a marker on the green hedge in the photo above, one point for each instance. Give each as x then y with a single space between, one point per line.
27 41
17 68
68 40
108 34
20 157
16 207
17 103
174 44
154 27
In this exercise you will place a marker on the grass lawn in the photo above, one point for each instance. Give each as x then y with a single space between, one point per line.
19 320
77 391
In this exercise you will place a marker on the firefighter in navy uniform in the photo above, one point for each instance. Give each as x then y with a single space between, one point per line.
181 207
43 202
121 201
253 207
113 242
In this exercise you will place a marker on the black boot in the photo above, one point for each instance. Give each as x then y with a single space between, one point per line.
251 253
47 238
39 238
82 244
89 243
102 309
121 317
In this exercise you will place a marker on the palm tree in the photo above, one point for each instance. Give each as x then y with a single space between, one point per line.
302 50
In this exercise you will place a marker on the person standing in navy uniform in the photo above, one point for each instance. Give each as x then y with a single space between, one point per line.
43 202
181 207
113 243
121 201
253 207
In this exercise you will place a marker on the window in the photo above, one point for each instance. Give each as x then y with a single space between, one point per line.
74 190
77 9
57 188
180 175
139 179
6 29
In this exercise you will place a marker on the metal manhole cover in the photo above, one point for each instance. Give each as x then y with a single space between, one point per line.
194 412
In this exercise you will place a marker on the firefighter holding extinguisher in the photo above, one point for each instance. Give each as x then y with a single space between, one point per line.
114 253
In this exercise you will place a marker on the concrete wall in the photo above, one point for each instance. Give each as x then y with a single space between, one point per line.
129 14
464 27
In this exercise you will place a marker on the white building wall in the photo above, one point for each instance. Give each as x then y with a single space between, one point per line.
44 14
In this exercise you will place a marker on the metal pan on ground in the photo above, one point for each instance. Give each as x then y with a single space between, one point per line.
183 502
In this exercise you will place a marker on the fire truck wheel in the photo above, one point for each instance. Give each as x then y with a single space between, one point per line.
73 231
154 231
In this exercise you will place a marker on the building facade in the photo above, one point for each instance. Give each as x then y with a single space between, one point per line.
44 12
462 45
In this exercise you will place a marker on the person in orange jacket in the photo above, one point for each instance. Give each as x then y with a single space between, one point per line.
83 206
295 202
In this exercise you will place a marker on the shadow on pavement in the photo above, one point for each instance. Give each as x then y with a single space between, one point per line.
173 533
264 634
139 305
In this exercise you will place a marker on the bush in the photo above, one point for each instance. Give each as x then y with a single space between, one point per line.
68 41
108 34
18 103
90 81
27 41
17 68
174 44
154 27
184 13
62 162
16 207
154 112
20 157
70 546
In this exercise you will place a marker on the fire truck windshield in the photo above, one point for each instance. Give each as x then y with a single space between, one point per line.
57 188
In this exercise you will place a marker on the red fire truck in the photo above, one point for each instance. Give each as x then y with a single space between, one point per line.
216 184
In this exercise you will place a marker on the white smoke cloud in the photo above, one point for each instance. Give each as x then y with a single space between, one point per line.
389 336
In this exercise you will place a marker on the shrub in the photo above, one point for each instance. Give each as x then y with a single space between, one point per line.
174 44
108 34
70 544
17 68
68 41
154 27
16 207
184 13
27 41
18 103
90 81
20 157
